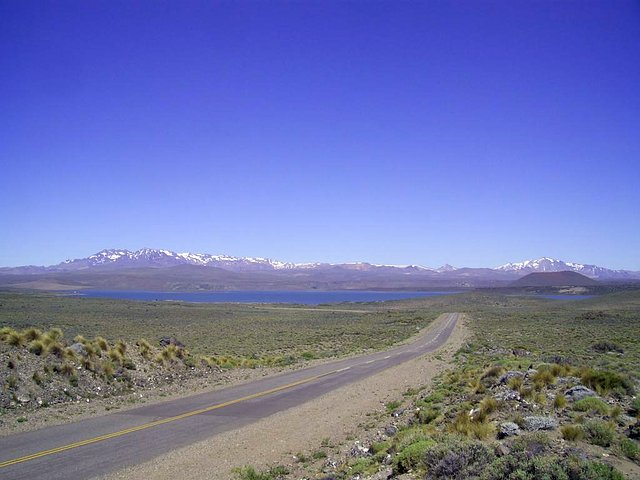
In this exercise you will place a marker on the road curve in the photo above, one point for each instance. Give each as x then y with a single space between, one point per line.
97 446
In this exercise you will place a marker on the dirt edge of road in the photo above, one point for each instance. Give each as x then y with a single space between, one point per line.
337 416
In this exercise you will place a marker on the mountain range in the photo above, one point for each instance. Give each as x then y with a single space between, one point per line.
159 269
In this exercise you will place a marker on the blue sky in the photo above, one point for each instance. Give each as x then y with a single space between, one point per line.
471 133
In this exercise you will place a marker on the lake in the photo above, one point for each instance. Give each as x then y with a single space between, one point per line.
313 297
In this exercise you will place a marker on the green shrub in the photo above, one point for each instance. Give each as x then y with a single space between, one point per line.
108 370
31 334
470 427
54 334
115 355
635 407
411 456
102 344
629 448
515 383
15 339
37 347
591 404
121 347
12 381
250 473
428 414
605 347
605 382
543 378
58 350
572 433
455 459
559 401
392 406
599 432
492 372
488 405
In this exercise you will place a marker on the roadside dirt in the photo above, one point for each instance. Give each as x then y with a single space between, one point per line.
334 418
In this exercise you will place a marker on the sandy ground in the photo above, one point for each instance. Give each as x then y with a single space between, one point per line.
337 416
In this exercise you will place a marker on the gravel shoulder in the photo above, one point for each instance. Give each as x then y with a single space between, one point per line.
337 416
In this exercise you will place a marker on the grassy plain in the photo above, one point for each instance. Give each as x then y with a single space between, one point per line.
243 330
453 429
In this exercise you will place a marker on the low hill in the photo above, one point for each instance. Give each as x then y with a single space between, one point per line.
554 279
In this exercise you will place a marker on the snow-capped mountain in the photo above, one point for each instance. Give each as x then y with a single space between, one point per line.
546 264
148 257
257 271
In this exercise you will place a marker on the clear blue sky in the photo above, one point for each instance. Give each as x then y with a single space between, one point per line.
473 133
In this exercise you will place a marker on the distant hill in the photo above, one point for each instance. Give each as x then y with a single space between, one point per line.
554 279
165 270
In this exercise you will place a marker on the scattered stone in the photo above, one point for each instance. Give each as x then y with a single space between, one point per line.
359 450
382 475
398 412
509 375
78 349
579 392
531 372
521 352
507 395
166 341
508 429
502 450
568 381
534 423
23 398
390 431
634 431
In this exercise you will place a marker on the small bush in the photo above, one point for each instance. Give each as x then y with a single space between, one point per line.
15 339
59 351
115 355
599 432
615 412
635 407
108 370
515 383
411 456
605 382
560 401
572 433
250 473
454 459
121 347
605 347
319 455
31 334
488 405
543 378
37 378
492 373
629 448
465 425
54 334
102 344
37 347
591 404
12 381
392 406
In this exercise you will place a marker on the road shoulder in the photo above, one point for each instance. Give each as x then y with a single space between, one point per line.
337 416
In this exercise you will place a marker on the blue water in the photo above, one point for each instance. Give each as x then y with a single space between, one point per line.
301 297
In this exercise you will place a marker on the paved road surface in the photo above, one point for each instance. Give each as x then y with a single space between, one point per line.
100 445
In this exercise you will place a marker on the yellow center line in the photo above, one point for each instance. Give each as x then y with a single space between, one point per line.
155 423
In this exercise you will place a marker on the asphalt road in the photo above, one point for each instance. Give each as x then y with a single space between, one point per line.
100 445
